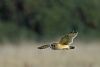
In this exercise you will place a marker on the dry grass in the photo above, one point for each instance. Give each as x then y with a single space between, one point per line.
29 56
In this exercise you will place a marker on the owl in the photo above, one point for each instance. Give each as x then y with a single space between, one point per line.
64 43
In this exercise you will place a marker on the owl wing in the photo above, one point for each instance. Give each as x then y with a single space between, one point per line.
43 47
64 40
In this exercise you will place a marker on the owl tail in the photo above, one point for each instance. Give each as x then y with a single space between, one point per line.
43 47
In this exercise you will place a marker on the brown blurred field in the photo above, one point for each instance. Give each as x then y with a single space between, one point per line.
27 55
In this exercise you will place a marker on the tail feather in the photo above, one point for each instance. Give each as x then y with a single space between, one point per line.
72 47
43 47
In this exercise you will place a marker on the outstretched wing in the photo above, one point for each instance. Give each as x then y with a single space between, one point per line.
64 40
43 47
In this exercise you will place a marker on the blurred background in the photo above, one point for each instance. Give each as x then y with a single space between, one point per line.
26 24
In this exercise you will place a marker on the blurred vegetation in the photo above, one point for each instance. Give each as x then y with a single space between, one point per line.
47 19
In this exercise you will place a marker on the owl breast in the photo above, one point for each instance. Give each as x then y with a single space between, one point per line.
60 46
57 46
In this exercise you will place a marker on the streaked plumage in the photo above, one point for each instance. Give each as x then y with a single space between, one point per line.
64 42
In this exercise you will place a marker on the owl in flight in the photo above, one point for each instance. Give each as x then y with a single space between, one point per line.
64 43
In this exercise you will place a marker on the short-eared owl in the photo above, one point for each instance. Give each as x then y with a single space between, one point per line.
63 44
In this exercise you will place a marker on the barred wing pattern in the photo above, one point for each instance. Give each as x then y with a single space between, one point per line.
64 40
